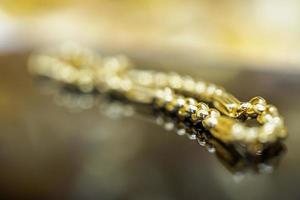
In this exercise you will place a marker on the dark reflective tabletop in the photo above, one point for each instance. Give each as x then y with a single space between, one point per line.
61 145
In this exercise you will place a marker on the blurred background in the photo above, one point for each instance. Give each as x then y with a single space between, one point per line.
49 151
256 32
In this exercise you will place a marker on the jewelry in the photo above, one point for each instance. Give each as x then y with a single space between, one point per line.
183 97
237 158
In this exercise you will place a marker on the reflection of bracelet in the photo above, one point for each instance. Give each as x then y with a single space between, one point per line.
181 96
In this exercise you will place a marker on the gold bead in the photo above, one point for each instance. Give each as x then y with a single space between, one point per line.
210 122
201 114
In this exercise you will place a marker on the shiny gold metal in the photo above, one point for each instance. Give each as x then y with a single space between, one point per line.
182 95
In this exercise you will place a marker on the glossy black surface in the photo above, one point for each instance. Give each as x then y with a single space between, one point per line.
52 149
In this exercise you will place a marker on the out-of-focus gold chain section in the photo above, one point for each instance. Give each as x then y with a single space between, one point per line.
182 95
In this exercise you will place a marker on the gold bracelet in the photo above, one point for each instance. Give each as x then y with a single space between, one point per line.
185 98
237 158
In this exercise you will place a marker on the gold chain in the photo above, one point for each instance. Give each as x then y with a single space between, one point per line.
183 96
